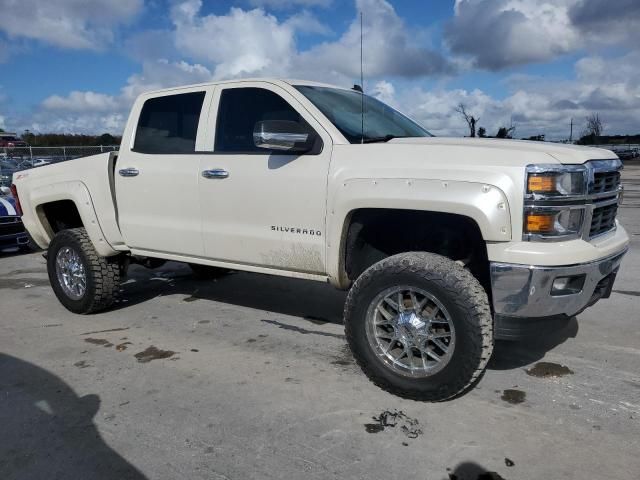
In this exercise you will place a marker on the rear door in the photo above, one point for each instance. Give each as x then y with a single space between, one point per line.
266 208
157 174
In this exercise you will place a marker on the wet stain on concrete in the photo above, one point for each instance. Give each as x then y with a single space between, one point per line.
153 353
251 340
120 329
123 346
202 322
292 380
548 370
410 427
81 364
99 341
508 462
373 427
316 320
513 396
20 283
195 350
632 293
303 331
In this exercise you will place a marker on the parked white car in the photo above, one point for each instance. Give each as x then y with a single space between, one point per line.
445 243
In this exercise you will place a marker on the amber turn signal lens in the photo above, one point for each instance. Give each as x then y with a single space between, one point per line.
537 223
541 184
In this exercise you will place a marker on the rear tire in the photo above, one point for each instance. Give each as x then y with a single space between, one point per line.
83 281
441 311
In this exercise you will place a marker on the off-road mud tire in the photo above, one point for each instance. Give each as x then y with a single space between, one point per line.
461 294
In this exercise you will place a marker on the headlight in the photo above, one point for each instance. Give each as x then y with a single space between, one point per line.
556 180
558 222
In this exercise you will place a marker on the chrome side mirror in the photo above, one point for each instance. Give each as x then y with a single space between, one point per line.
283 135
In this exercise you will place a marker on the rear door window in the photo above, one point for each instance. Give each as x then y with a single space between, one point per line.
169 124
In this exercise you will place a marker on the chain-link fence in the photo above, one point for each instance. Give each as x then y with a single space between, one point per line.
14 159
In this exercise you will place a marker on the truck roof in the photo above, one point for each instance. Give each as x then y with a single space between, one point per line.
276 81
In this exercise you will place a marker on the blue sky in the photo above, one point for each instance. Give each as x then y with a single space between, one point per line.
76 66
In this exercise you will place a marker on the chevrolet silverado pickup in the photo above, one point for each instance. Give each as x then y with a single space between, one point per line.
445 244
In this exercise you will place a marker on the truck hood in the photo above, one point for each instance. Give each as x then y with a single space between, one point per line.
571 154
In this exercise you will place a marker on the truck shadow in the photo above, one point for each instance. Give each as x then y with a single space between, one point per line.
48 430
314 301
508 355
318 302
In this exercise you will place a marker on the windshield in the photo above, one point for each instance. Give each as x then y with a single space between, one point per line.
343 108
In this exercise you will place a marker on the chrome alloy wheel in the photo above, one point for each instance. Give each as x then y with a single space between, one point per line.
411 331
71 273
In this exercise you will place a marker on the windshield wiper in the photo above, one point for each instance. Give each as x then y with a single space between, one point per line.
386 138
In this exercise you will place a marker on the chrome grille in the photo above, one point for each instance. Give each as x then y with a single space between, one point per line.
604 182
603 219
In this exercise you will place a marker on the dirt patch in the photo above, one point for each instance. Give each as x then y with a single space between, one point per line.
81 364
410 427
513 396
549 370
99 341
153 353
123 346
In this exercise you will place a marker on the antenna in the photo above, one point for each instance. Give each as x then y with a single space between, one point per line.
361 86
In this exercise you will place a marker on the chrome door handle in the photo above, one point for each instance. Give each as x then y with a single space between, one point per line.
128 172
215 173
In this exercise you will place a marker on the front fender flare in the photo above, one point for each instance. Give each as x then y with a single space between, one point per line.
486 204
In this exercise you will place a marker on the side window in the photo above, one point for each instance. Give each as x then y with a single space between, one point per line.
169 124
238 112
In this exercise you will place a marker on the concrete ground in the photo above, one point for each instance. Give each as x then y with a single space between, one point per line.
251 379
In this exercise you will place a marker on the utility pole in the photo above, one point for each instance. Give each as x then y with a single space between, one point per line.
571 131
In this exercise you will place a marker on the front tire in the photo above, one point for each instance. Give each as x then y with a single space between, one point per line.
83 281
419 326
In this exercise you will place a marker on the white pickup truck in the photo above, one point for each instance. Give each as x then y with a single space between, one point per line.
445 244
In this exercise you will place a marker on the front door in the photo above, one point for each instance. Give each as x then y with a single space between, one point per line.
157 177
263 207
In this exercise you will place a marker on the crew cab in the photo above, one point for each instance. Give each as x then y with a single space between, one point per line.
445 244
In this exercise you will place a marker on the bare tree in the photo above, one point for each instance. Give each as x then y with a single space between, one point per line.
594 125
470 119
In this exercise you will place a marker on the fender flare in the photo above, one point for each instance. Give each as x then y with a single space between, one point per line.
78 193
485 204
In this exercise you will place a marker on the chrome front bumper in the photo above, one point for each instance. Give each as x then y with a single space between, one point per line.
524 291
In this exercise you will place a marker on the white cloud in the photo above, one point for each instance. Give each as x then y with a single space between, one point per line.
391 49
538 105
500 33
80 102
290 3
75 24
240 43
